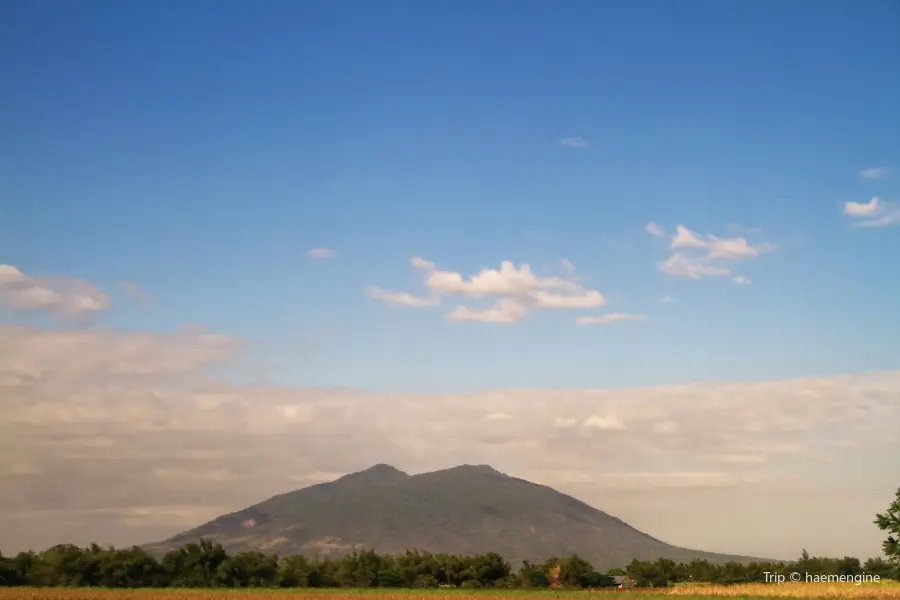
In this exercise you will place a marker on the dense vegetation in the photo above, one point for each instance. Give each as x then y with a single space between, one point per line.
206 565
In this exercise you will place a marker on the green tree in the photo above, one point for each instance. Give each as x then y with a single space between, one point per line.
533 576
879 566
889 522
574 571
247 569
194 564
647 574
294 571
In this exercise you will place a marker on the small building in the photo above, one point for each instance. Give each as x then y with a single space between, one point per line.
623 581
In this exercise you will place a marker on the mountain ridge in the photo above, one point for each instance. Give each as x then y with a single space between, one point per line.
467 509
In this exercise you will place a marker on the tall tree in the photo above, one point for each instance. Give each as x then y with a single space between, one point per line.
889 522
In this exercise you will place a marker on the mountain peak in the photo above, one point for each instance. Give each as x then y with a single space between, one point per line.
376 474
476 469
382 469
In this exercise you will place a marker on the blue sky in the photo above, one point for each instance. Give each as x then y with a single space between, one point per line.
200 150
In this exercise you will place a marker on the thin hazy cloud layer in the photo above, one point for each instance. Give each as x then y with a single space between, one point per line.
135 293
574 142
322 253
875 173
129 434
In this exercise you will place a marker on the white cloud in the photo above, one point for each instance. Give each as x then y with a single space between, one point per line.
666 300
574 142
29 354
508 280
401 298
685 238
504 311
88 414
322 253
654 229
567 265
868 209
609 423
585 299
876 212
608 318
62 296
497 416
518 291
680 265
420 263
735 249
875 173
696 256
741 280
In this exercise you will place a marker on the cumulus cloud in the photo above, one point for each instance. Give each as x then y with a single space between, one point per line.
574 142
868 209
692 267
128 437
401 298
421 263
608 318
508 280
874 213
695 256
685 238
505 311
584 299
735 249
741 280
517 291
322 253
62 296
875 173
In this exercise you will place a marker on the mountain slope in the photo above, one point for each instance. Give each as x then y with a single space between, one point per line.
465 510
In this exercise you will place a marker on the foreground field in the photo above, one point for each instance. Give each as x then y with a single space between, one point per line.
756 590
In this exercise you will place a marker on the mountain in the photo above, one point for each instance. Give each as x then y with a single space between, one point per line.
463 510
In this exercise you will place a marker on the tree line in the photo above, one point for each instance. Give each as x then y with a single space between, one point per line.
208 565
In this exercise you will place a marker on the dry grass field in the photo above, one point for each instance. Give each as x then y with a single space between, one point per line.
792 590
880 591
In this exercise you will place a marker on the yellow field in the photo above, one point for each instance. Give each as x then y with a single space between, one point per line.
756 590
793 590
